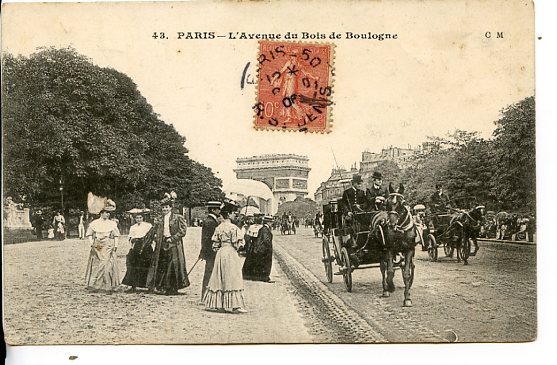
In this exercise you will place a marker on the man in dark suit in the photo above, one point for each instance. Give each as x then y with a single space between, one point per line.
376 192
207 230
440 202
167 273
354 198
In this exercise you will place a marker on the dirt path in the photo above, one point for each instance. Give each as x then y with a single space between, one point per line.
46 303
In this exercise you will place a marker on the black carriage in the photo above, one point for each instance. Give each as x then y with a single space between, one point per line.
350 243
445 230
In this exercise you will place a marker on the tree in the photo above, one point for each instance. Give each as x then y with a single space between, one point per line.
301 208
515 157
389 170
70 123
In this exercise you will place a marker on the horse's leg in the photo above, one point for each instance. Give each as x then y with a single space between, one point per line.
390 271
459 245
383 267
407 276
476 246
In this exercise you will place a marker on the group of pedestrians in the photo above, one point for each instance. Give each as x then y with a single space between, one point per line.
156 259
57 228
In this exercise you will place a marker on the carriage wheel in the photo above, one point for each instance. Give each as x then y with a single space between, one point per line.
347 273
432 247
327 261
465 250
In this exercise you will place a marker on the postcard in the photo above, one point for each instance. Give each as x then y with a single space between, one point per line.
253 172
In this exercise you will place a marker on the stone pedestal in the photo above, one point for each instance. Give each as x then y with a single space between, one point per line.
15 217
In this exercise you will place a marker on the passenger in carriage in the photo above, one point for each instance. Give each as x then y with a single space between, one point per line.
375 191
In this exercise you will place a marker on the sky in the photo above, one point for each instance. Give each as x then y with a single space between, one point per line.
442 73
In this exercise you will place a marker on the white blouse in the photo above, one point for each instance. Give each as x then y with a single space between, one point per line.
139 230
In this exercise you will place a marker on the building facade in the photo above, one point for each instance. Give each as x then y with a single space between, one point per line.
340 178
338 181
285 174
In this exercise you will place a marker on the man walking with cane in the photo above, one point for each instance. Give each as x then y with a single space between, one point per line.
207 253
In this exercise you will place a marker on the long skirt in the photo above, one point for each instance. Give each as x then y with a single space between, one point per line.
138 263
102 268
225 290
257 266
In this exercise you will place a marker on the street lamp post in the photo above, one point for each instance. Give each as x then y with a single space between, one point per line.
62 194
61 188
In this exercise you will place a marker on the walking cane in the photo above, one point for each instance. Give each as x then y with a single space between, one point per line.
194 266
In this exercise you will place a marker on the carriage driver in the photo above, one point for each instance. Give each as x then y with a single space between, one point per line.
439 200
354 198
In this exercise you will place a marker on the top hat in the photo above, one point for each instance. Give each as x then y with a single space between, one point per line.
357 179
214 204
377 175
268 219
109 206
168 198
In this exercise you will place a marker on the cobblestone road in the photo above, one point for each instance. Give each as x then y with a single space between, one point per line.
46 303
491 300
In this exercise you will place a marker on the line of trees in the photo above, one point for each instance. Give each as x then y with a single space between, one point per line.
499 172
70 123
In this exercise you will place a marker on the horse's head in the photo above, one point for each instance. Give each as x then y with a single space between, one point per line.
478 213
395 201
399 213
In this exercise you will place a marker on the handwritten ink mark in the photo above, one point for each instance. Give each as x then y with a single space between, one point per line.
244 76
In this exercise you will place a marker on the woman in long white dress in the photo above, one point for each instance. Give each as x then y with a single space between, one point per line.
102 268
225 291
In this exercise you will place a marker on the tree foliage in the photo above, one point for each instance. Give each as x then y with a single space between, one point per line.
498 173
301 208
515 143
70 123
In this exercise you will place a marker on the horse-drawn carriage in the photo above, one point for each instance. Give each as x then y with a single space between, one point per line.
455 230
360 240
287 225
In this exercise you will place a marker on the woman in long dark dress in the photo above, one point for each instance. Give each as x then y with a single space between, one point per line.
259 258
140 255
251 265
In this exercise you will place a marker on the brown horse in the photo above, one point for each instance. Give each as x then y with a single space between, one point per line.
400 238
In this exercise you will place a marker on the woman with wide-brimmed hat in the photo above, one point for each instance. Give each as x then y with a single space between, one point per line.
138 260
225 291
168 273
102 269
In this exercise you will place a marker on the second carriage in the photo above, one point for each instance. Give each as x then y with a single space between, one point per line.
443 229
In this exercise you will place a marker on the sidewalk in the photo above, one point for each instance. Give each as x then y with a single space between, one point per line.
46 303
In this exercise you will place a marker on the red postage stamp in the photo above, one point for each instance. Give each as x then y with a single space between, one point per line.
294 90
